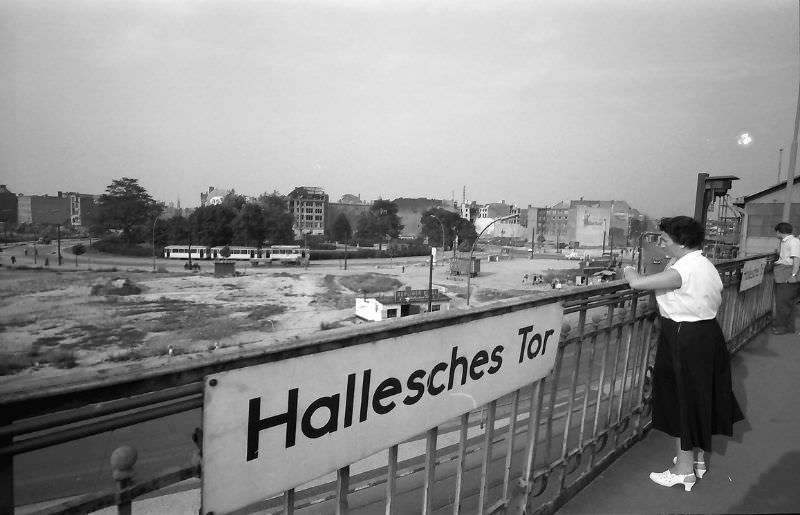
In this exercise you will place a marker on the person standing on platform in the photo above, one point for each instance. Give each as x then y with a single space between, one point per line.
692 391
786 279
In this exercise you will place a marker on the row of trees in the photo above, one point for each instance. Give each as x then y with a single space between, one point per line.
127 207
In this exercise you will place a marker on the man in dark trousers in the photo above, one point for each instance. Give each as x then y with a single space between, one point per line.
786 279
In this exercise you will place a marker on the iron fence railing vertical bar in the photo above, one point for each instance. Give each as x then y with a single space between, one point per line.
288 502
342 487
551 408
487 456
391 479
534 420
626 367
6 470
601 384
644 363
430 470
614 364
512 430
587 390
573 385
461 464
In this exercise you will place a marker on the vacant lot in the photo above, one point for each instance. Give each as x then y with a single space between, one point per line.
67 323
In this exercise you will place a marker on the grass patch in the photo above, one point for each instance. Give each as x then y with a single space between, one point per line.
490 294
333 295
13 363
370 283
262 312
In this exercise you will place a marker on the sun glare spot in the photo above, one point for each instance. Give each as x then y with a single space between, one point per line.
744 139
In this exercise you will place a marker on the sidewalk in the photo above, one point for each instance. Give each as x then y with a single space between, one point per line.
756 471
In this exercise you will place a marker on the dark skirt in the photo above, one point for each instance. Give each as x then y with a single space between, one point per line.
692 394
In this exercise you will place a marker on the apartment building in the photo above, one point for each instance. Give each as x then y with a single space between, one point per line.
308 205
66 208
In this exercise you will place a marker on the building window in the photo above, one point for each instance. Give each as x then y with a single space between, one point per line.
436 307
391 313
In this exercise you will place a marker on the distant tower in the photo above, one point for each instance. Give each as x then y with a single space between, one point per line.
464 195
179 202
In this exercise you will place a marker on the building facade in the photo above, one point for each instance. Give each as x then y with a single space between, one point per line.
8 207
760 212
308 205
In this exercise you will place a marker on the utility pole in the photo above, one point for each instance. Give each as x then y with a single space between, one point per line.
533 239
58 228
790 172
430 282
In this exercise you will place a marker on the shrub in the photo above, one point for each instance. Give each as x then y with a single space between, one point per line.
114 246
62 358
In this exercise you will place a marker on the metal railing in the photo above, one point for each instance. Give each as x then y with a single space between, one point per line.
535 447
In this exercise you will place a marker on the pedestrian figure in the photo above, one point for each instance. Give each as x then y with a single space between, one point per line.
13 260
47 261
403 269
785 274
524 278
26 252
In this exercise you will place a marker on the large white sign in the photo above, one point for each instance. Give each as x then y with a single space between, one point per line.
271 427
752 273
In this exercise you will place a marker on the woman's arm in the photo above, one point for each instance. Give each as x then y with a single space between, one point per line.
667 280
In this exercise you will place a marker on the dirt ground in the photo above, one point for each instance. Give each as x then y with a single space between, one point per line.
72 324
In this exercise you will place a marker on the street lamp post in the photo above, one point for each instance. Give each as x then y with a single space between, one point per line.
472 249
604 237
58 229
442 226
430 282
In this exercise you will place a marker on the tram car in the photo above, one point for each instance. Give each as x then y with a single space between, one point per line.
239 253
186 251
288 254
281 254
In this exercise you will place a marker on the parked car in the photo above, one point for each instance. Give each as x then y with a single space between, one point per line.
575 255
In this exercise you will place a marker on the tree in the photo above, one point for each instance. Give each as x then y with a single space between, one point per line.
278 222
379 222
340 228
78 250
249 225
126 206
434 219
212 225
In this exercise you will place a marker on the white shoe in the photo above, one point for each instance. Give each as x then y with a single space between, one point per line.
668 479
699 467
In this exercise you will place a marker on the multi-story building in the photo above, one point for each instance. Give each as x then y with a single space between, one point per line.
555 226
599 222
8 207
308 205
44 209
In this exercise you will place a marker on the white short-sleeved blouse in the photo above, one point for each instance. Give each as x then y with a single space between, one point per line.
700 293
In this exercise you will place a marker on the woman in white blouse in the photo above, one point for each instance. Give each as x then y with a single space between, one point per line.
692 394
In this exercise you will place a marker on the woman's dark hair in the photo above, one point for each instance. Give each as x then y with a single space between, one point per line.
684 230
784 228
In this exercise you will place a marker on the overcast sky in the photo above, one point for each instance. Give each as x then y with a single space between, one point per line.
530 102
